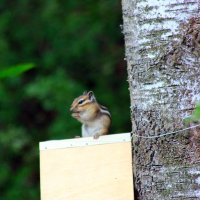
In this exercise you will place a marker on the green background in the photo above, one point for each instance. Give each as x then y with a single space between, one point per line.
75 45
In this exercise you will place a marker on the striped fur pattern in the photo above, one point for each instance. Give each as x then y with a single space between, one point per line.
104 110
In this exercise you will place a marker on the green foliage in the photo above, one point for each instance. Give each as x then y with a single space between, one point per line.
15 70
75 46
195 115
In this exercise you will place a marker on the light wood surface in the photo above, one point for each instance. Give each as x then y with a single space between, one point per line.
98 172
85 141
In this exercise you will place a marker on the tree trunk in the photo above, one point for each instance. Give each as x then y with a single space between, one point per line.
162 41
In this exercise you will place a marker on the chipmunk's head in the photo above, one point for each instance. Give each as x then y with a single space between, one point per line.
82 104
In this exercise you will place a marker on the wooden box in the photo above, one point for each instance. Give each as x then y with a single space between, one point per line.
87 168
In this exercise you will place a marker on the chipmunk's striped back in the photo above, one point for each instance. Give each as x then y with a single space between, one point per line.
105 110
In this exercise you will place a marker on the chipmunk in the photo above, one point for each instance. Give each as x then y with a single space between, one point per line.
95 118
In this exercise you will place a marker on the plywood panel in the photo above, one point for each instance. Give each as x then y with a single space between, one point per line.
93 172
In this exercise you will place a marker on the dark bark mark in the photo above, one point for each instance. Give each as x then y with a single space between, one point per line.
190 42
193 149
191 37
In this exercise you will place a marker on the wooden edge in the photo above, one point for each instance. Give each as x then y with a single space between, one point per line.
86 141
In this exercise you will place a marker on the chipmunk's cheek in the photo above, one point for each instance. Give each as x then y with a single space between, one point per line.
76 115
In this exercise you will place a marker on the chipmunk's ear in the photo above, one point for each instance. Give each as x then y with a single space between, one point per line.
85 92
91 96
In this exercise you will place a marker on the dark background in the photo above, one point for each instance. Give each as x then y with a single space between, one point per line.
75 45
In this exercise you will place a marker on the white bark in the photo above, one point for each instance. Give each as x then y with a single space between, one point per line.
162 40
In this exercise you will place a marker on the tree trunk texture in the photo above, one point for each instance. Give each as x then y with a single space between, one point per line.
162 41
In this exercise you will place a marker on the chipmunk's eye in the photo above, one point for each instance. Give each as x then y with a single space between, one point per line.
81 101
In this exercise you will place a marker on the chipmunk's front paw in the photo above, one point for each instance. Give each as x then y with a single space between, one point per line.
96 136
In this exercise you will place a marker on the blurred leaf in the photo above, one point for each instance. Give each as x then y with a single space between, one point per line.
16 70
195 115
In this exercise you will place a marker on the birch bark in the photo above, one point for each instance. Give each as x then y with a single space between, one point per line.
162 42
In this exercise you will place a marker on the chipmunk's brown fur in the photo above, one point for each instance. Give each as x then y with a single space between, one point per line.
95 118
